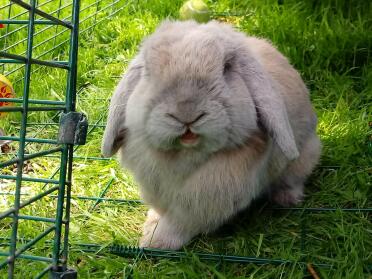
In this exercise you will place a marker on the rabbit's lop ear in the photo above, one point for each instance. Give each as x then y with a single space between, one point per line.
114 135
269 104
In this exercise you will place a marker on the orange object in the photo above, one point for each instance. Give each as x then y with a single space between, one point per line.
2 25
6 91
312 271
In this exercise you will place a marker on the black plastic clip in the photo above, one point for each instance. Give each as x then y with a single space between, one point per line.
63 273
73 128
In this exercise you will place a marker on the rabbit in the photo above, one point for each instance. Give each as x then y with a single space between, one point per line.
208 119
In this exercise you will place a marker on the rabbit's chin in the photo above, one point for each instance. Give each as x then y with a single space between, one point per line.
189 143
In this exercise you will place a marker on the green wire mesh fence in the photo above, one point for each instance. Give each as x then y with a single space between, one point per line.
23 53
40 38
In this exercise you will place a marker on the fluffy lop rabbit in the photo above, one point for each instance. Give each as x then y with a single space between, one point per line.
207 119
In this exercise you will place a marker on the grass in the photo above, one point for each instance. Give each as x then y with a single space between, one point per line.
329 42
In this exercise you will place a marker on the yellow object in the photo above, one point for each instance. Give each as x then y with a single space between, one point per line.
195 9
6 91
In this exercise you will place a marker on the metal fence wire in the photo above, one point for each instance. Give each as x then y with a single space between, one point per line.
42 36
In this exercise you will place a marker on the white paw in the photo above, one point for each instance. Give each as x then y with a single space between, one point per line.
151 222
158 233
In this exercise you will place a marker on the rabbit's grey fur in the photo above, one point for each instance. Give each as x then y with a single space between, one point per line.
250 108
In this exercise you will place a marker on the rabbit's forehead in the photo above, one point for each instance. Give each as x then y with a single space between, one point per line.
198 54
192 55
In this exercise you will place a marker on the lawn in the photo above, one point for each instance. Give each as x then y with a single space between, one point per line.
329 42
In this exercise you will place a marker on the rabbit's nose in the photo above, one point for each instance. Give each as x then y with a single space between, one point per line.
187 122
200 116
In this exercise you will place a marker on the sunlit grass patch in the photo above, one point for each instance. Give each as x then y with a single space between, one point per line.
329 42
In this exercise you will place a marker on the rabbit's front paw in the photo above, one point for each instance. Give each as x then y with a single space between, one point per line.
151 222
160 234
289 196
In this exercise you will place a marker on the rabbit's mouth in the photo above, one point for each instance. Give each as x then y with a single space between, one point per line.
189 139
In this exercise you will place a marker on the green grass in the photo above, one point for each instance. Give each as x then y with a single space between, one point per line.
329 42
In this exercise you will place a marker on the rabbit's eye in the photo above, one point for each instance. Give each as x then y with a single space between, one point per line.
227 67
